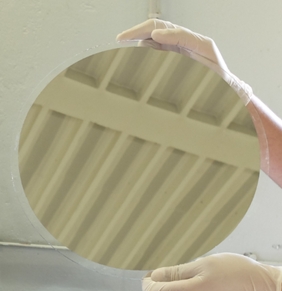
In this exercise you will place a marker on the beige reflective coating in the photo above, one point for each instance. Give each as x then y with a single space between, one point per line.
136 158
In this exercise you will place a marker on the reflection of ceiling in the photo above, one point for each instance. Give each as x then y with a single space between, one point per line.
136 158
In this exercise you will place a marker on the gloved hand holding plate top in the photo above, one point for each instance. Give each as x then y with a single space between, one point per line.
164 35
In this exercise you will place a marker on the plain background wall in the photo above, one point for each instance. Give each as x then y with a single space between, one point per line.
38 36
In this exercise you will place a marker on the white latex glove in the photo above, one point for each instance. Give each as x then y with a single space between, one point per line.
220 272
164 35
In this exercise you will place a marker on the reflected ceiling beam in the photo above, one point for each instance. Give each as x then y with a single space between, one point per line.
206 81
229 117
186 183
48 167
36 128
159 196
86 175
115 208
129 203
186 221
40 206
86 201
166 128
237 180
225 224
112 68
166 66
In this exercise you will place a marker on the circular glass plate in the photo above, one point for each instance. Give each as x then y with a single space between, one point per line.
136 158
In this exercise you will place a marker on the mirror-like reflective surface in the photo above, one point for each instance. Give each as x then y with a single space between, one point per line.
136 158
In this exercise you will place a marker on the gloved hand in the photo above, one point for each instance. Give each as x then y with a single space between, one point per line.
164 35
220 272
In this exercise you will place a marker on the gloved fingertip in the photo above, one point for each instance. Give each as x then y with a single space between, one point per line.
167 36
157 34
125 35
158 275
120 37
